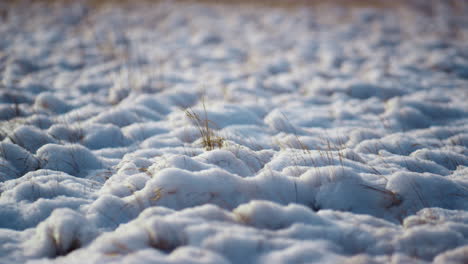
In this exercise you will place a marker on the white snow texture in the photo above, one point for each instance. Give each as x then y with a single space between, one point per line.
193 132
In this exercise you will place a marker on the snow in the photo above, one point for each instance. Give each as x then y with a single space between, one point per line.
73 159
339 132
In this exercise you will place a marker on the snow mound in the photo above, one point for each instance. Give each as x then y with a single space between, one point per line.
73 159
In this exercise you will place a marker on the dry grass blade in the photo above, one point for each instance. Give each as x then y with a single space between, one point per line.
395 198
209 138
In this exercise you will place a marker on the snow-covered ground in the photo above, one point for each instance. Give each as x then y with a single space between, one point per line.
202 133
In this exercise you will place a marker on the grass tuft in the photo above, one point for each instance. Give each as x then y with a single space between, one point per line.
210 140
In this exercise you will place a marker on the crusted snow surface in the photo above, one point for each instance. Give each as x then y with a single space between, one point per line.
209 133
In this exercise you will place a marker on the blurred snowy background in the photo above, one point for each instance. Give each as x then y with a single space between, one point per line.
233 132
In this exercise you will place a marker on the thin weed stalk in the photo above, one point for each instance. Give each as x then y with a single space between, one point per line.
210 140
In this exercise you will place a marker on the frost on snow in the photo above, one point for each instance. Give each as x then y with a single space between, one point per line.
176 132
